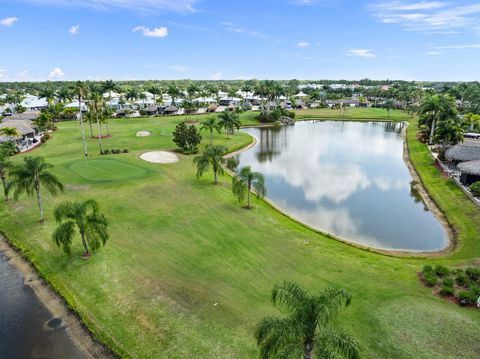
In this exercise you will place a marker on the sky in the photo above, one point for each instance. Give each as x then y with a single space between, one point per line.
239 39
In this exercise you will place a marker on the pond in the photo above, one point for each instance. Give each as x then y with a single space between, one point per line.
348 179
27 330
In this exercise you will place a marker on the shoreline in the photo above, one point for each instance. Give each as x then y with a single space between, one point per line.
429 202
80 336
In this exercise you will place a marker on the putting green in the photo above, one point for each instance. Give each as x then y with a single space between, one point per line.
105 169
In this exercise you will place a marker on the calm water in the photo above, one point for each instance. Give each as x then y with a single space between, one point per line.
348 179
25 332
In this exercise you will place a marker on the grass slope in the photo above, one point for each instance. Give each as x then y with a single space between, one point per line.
181 245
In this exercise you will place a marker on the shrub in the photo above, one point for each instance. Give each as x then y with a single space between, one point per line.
473 273
106 152
187 138
475 188
427 268
430 279
446 291
232 163
475 289
462 280
441 271
448 282
466 297
125 150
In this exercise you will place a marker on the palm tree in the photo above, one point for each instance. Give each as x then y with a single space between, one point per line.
229 120
85 216
389 104
142 96
131 94
448 132
436 108
5 166
49 94
244 181
211 124
155 90
109 86
30 176
81 91
213 155
308 329
174 92
10 132
64 94
96 106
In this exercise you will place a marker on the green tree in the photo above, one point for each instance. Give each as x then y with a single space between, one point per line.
389 105
246 180
212 156
30 176
472 120
174 92
229 120
308 329
211 124
85 216
109 86
448 132
10 132
5 166
436 108
187 138
48 93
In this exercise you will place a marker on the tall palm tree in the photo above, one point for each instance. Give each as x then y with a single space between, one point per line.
213 155
96 106
5 166
211 124
64 94
229 120
246 180
155 90
109 86
29 176
131 94
85 216
449 132
142 96
81 91
308 329
10 132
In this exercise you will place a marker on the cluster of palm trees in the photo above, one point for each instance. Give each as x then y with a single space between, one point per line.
32 177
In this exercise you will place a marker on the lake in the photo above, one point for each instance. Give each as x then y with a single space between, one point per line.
348 179
27 330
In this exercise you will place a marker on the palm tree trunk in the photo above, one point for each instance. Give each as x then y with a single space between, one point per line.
248 198
84 243
39 201
307 351
211 137
83 128
5 186
91 129
432 131
99 135
215 177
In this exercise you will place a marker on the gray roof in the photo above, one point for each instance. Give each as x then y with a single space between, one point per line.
471 167
24 127
27 115
170 109
467 151
151 108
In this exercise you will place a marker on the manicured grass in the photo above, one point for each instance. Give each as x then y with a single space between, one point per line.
181 245
105 169
354 113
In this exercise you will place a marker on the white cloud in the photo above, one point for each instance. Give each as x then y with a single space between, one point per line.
428 16
216 76
74 29
56 74
8 21
456 47
241 30
303 44
360 53
178 68
159 32
183 6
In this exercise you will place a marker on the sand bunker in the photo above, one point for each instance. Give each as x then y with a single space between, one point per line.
143 133
159 157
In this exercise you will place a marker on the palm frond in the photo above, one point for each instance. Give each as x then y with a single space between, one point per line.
63 236
338 341
289 294
275 335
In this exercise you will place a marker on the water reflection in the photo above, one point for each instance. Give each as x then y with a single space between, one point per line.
345 178
27 330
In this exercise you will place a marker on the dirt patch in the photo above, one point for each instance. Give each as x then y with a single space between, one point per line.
77 187
143 133
80 336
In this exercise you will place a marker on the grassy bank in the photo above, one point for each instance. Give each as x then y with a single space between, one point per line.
188 272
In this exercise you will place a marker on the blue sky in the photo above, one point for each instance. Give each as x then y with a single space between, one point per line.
205 39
